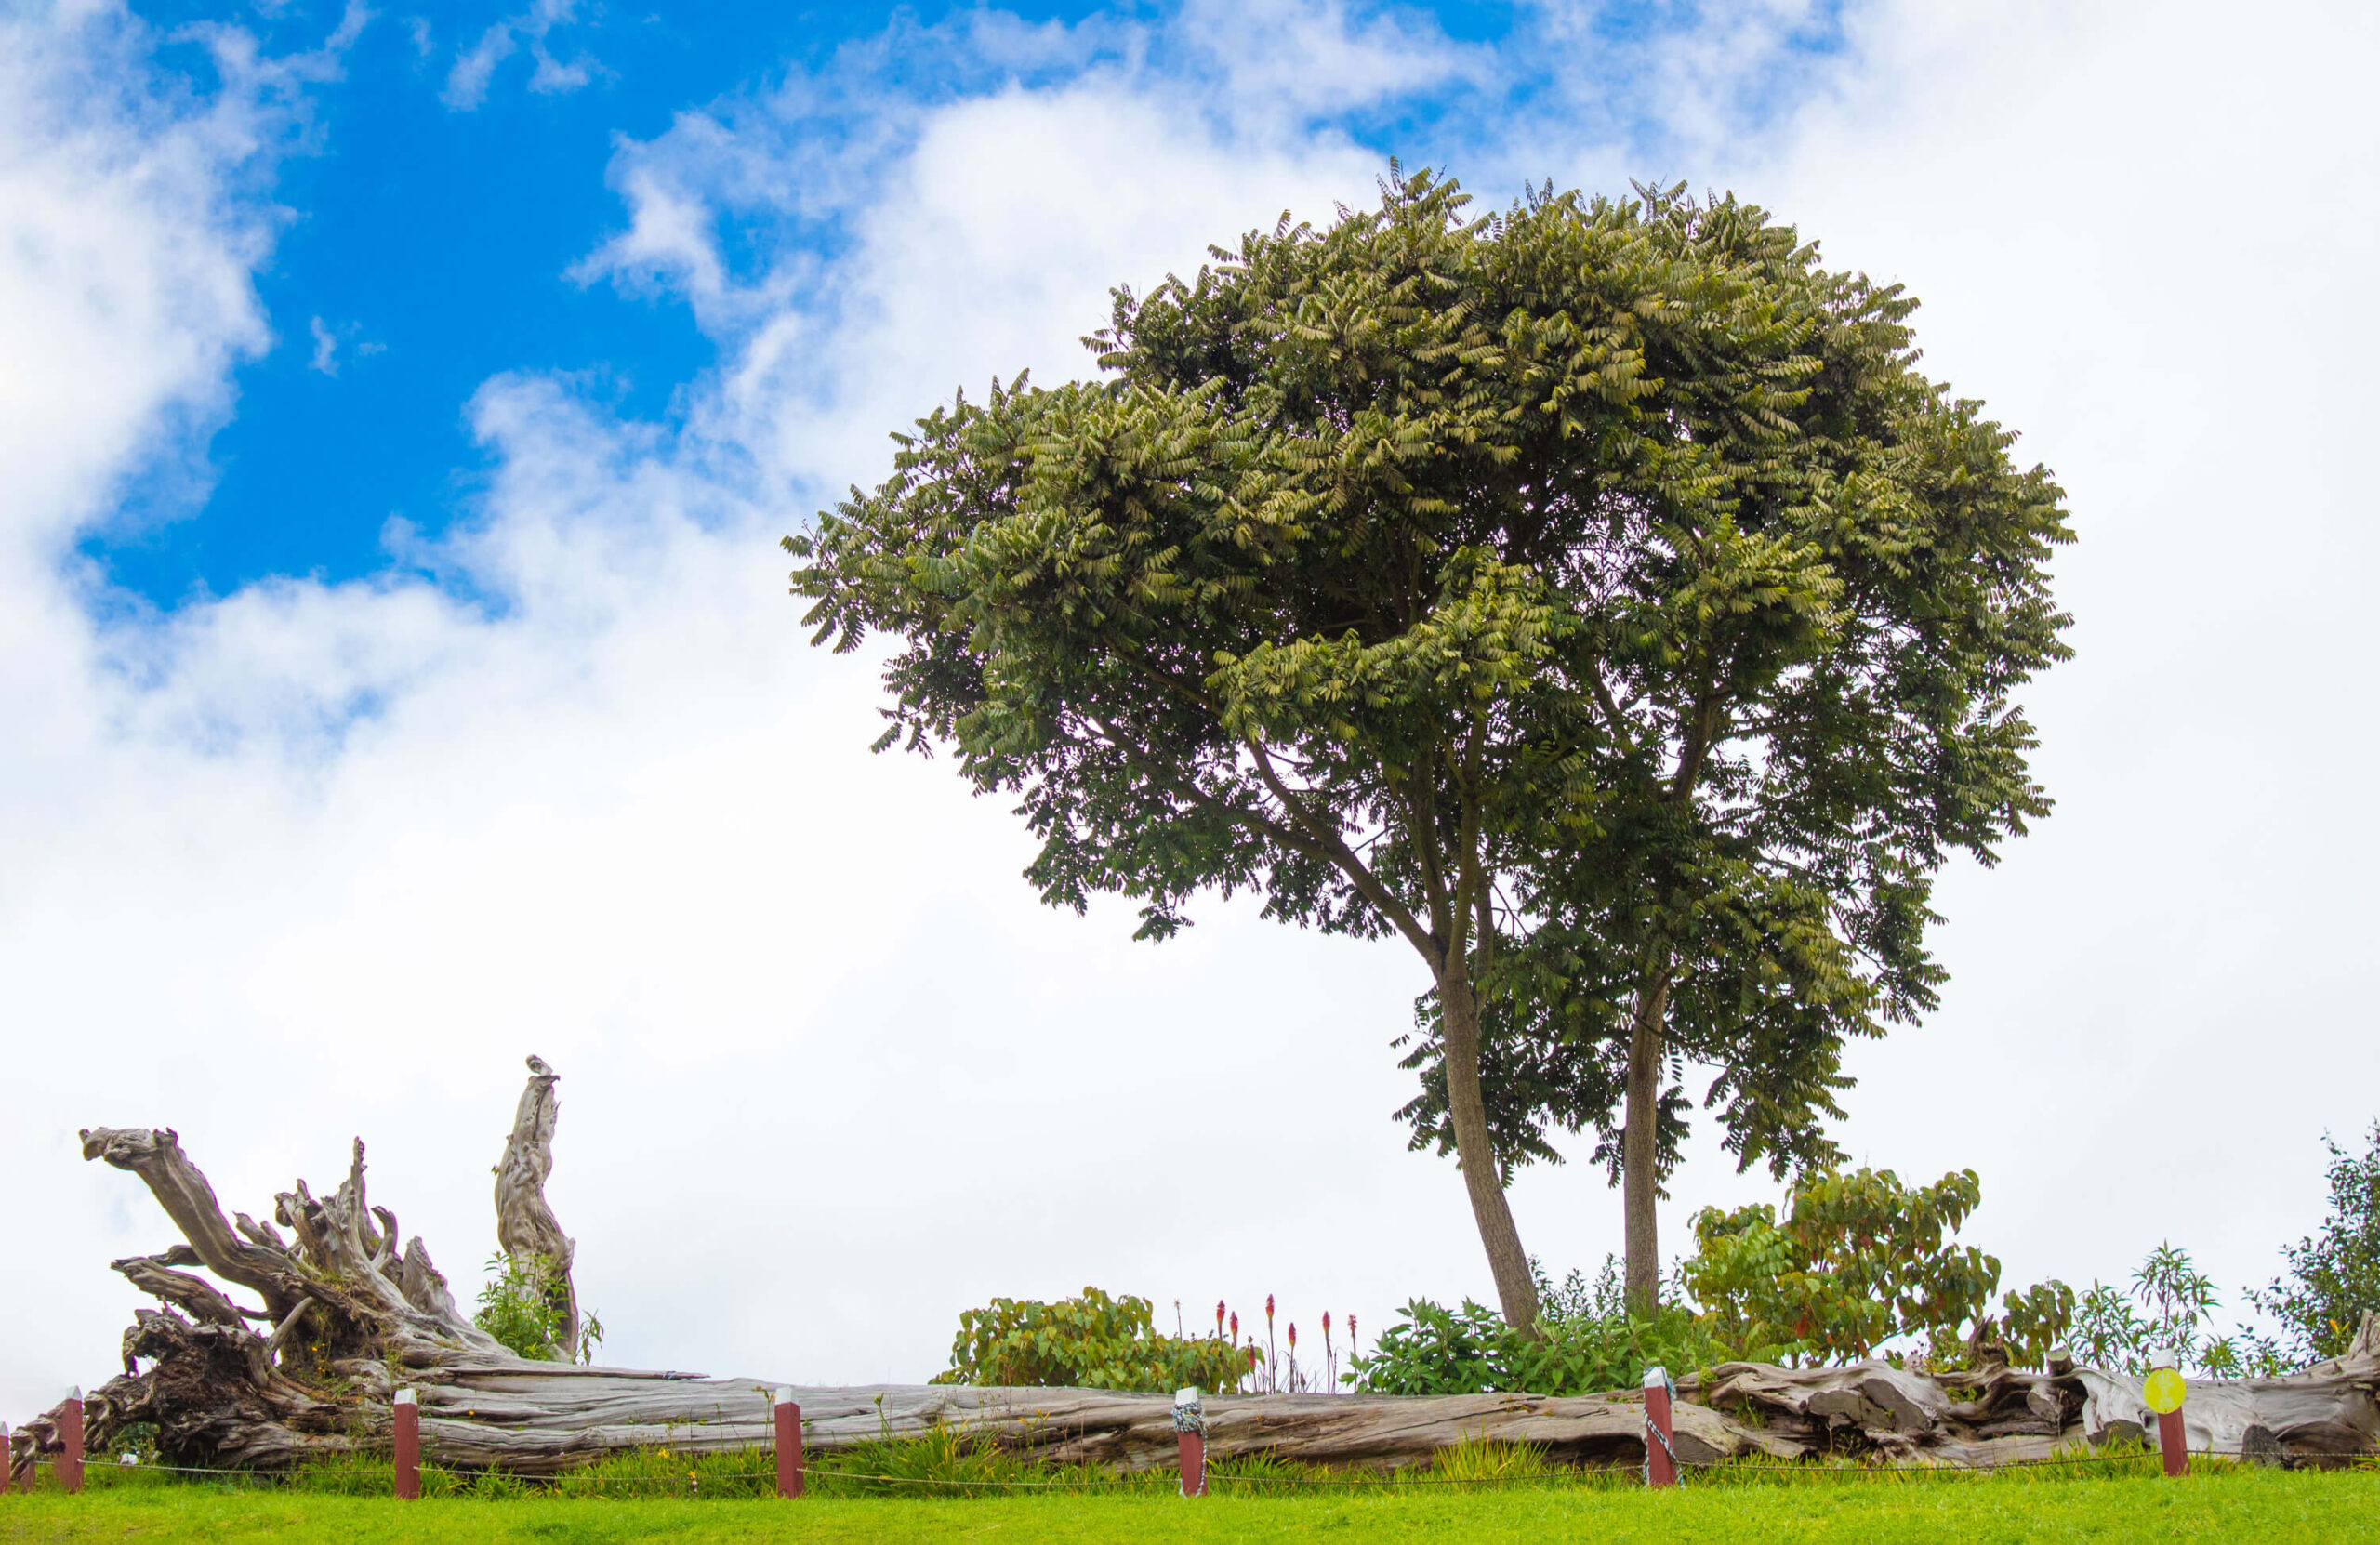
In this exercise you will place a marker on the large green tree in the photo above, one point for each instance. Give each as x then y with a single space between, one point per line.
1593 596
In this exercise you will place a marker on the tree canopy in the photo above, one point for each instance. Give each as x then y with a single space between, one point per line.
1592 595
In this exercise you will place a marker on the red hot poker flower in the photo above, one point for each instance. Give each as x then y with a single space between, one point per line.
1268 1309
1293 1335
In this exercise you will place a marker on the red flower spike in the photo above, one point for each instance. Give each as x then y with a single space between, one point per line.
1293 1335
1268 1309
1326 1322
1235 1327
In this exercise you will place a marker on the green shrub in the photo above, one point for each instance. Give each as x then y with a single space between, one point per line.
1093 1341
2334 1276
1590 1343
1860 1259
2160 1320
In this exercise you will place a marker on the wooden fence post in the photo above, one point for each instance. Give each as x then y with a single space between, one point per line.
7 1460
2163 1392
408 1435
2170 1443
790 1456
1660 1457
70 1434
1190 1431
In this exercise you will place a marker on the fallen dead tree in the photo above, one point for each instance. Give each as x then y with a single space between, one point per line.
343 1318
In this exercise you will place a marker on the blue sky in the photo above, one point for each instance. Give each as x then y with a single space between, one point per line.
384 700
435 214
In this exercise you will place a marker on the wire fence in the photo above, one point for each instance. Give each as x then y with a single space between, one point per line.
361 1481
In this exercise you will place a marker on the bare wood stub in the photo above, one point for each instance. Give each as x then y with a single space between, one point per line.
525 1226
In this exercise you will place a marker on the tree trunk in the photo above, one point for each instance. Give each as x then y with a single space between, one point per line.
525 1226
1640 1152
1475 1155
346 1320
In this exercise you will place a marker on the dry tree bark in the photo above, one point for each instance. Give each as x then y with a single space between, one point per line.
525 1225
342 1318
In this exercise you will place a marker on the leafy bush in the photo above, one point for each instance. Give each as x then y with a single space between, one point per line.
1093 1341
519 1308
2334 1276
1432 1350
1857 1261
1591 1343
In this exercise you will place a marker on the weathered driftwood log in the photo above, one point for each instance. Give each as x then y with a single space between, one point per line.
525 1225
2002 1414
343 1319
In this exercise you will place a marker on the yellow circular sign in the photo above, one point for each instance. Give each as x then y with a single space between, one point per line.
2164 1391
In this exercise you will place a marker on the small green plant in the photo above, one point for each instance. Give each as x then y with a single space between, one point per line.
519 1308
2160 1321
1092 1341
1475 1461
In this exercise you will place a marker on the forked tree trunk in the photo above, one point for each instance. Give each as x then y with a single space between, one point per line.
525 1225
342 1319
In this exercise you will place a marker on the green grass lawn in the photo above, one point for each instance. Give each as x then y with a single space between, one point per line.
2262 1505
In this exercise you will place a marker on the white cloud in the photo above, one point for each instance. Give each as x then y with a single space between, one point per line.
325 348
474 69
317 860
329 341
466 82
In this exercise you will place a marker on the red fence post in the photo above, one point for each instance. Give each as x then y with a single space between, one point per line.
2170 1443
1190 1431
409 1434
7 1458
790 1456
2163 1392
1660 1457
70 1434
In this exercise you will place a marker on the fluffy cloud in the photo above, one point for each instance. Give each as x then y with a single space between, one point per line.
309 859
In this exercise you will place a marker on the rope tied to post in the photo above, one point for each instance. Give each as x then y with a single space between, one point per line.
1656 1429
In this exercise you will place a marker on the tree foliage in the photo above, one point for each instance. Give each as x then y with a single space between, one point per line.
2334 1276
1593 595
1859 1259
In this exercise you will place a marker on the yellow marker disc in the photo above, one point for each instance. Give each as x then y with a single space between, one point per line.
2163 1389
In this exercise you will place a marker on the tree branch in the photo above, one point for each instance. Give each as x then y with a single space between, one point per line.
1335 849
